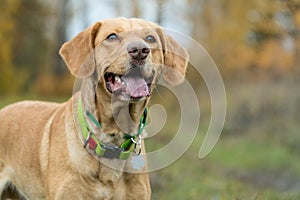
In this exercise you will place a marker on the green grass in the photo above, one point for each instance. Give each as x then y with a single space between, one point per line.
235 169
256 157
250 154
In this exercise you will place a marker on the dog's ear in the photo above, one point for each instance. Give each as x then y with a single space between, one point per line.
78 53
175 61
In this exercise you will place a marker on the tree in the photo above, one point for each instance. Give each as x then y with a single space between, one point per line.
293 7
136 12
261 33
159 16
60 20
221 27
275 34
7 25
23 35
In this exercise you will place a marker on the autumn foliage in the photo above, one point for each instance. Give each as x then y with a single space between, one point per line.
248 37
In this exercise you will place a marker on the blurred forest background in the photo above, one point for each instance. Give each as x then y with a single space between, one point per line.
256 46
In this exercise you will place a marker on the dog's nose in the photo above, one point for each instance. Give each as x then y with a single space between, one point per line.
138 50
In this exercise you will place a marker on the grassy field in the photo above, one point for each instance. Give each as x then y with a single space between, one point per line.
256 158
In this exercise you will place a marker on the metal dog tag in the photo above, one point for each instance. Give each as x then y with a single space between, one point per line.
138 162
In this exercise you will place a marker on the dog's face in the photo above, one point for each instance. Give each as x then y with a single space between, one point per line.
128 55
133 58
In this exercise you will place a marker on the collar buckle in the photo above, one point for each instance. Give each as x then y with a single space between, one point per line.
138 144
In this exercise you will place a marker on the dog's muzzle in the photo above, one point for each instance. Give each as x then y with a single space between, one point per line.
132 85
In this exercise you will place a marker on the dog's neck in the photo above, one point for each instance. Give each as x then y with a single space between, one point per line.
118 117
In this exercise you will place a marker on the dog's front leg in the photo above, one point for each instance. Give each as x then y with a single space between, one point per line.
138 187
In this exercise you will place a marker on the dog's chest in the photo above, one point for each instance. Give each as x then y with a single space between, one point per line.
110 186
106 192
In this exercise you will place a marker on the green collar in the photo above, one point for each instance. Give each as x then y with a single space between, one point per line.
131 143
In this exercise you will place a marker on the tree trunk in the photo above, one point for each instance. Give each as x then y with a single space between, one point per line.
135 8
159 16
60 35
117 7
297 53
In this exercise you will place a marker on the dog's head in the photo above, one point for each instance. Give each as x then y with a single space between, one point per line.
127 55
120 61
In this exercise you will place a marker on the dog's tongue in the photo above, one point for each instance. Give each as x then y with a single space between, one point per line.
136 87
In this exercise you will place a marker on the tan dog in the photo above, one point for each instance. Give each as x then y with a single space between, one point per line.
41 147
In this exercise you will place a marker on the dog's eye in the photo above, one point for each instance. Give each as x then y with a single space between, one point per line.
112 37
150 39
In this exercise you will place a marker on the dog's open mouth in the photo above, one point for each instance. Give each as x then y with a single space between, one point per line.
131 85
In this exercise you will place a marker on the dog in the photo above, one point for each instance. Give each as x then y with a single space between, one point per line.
81 149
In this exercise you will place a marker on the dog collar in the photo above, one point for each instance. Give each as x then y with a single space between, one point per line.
131 143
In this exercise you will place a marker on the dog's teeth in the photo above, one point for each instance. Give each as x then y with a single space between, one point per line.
118 79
